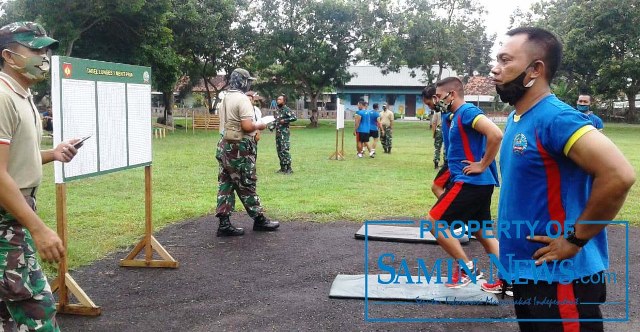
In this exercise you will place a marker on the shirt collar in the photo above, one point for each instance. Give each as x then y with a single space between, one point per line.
14 85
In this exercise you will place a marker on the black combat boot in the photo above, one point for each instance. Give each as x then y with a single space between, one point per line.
226 229
262 224
288 170
389 151
435 163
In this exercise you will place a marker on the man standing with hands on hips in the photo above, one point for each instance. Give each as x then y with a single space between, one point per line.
284 116
26 302
559 172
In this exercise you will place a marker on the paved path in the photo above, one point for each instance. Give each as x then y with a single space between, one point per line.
280 282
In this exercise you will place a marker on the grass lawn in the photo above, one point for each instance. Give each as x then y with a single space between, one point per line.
107 212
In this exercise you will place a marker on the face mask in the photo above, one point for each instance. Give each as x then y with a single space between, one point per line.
36 67
512 91
441 106
583 108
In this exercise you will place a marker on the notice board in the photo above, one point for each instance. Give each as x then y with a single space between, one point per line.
109 101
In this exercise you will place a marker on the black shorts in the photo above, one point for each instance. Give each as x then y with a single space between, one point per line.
464 202
569 296
443 178
363 137
374 134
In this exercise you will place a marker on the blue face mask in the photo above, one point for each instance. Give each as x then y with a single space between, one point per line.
583 108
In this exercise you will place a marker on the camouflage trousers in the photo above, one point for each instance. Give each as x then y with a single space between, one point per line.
437 144
282 146
26 302
387 138
237 173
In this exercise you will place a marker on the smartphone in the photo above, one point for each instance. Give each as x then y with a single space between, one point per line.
79 144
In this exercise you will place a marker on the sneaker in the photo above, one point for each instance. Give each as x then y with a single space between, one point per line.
459 279
372 153
497 287
359 154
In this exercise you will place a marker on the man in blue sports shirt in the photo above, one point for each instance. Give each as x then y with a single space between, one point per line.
549 155
361 130
473 143
374 128
584 105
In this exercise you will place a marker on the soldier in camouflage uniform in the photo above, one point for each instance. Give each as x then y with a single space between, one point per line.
26 302
284 116
386 121
428 97
237 159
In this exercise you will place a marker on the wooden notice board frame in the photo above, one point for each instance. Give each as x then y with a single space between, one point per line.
104 80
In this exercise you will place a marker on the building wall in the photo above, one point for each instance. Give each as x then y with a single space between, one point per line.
399 106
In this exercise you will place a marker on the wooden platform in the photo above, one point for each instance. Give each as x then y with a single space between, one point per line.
206 121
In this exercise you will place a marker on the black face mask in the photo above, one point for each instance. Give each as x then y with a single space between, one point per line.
512 91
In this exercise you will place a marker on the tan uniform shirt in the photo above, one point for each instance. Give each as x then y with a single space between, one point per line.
386 118
21 128
436 119
236 106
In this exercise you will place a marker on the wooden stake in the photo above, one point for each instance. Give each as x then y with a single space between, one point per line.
148 242
65 283
338 155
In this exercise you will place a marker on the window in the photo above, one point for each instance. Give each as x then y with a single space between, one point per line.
355 97
391 99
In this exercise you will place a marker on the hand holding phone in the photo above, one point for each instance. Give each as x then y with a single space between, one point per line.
78 144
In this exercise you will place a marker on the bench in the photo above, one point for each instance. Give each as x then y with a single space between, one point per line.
205 121
160 130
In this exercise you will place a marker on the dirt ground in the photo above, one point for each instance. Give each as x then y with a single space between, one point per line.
280 282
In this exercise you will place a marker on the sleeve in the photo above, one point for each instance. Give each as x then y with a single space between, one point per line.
470 116
9 119
289 116
246 109
564 130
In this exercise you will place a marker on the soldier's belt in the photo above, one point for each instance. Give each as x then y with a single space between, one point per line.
29 191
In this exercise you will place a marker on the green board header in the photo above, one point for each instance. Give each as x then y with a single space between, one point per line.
92 70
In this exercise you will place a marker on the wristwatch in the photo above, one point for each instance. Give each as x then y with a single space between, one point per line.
574 240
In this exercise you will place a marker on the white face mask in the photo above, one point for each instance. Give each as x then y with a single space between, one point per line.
36 67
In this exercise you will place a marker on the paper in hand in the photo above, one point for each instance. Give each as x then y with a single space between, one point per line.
267 119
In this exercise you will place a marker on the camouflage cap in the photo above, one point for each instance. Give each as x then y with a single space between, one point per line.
29 34
244 73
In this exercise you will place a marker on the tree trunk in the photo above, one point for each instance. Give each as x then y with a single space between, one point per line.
631 112
168 99
313 106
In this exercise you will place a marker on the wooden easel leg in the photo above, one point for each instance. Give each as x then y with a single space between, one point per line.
148 242
65 283
337 155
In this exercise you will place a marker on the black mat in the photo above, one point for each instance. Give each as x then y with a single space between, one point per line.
398 234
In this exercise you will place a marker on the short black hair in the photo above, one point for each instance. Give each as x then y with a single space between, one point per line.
545 41
376 106
455 82
283 97
428 92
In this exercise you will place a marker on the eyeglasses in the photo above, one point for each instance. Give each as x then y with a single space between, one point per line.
441 98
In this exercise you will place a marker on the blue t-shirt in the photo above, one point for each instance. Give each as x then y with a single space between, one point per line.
364 121
465 143
540 183
373 120
596 121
